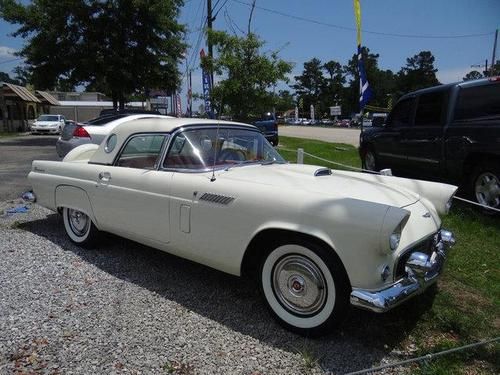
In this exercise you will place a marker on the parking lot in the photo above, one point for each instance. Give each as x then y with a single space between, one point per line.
327 134
16 155
125 308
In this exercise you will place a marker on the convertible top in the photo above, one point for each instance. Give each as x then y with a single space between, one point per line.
152 125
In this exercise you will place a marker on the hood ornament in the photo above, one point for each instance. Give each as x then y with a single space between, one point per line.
427 215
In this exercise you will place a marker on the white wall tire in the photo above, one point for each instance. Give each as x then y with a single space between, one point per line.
79 227
305 288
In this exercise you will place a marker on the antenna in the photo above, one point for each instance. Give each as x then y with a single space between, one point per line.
212 179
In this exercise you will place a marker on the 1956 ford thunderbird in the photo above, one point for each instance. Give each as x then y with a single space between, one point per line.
218 193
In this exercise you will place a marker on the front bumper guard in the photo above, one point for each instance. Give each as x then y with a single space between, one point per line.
422 270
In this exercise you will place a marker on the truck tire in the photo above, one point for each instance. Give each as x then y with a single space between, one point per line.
370 160
485 184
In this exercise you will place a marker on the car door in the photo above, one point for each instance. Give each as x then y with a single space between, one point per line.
389 151
422 141
131 198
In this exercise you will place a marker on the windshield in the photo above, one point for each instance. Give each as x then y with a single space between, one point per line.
48 118
204 148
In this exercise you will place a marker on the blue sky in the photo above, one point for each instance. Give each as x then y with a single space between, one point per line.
426 21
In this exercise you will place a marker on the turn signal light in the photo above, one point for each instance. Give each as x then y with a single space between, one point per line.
80 132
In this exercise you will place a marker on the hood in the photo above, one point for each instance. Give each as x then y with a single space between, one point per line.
46 123
336 184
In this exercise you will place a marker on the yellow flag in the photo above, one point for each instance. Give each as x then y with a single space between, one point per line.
357 13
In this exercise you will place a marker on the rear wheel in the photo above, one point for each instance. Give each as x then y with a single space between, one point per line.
79 227
485 184
305 287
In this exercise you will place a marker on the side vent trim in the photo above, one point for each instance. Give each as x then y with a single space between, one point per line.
216 198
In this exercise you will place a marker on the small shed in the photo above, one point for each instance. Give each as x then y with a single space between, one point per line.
17 106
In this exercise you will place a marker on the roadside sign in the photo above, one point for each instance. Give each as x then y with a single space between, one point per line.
335 110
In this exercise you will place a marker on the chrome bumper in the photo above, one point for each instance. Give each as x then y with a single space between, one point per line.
422 270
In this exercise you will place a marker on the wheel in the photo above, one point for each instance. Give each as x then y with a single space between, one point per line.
79 227
305 287
370 161
486 184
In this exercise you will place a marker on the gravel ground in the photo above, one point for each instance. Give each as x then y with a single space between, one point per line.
123 308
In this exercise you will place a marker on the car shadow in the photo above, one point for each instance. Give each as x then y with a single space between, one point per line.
362 340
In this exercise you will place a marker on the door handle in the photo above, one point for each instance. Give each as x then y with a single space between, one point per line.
104 176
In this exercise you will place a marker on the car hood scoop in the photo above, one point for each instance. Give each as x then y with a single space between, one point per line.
324 181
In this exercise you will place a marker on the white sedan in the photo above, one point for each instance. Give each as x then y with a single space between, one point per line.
317 240
48 124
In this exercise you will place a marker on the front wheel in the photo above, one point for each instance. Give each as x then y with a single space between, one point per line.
79 227
370 161
305 288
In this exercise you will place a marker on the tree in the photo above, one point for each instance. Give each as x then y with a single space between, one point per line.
310 85
4 77
284 101
334 85
249 75
474 74
419 73
117 46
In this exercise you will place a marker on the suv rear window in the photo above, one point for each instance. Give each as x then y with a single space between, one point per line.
478 102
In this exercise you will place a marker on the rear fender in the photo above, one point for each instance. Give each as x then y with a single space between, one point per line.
75 198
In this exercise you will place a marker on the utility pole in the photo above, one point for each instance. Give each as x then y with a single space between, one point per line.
209 26
492 69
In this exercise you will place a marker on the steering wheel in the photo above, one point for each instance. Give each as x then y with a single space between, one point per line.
232 154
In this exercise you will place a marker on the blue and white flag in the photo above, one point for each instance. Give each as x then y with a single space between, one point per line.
207 89
365 93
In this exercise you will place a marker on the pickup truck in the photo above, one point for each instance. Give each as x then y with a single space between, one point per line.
448 133
268 125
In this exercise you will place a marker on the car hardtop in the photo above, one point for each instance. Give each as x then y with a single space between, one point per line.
154 125
450 86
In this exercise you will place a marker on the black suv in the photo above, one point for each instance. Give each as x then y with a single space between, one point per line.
448 133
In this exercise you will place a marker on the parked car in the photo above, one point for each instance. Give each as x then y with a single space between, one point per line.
94 131
128 111
269 127
219 194
48 124
448 133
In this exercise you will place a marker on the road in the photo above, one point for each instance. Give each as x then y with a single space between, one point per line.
337 135
16 155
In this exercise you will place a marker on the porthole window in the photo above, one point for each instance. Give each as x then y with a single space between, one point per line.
110 143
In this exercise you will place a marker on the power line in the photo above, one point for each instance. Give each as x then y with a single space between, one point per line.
364 31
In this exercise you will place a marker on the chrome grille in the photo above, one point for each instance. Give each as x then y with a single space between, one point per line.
216 198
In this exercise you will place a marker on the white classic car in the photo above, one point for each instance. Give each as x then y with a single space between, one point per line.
219 194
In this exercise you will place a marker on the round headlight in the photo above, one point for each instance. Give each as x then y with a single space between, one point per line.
394 240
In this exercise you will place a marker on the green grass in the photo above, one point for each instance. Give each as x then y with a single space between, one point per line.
466 307
338 152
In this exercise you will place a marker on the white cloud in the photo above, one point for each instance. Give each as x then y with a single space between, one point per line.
6 52
453 74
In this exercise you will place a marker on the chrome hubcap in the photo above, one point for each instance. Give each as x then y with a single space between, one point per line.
78 221
487 190
299 285
370 161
